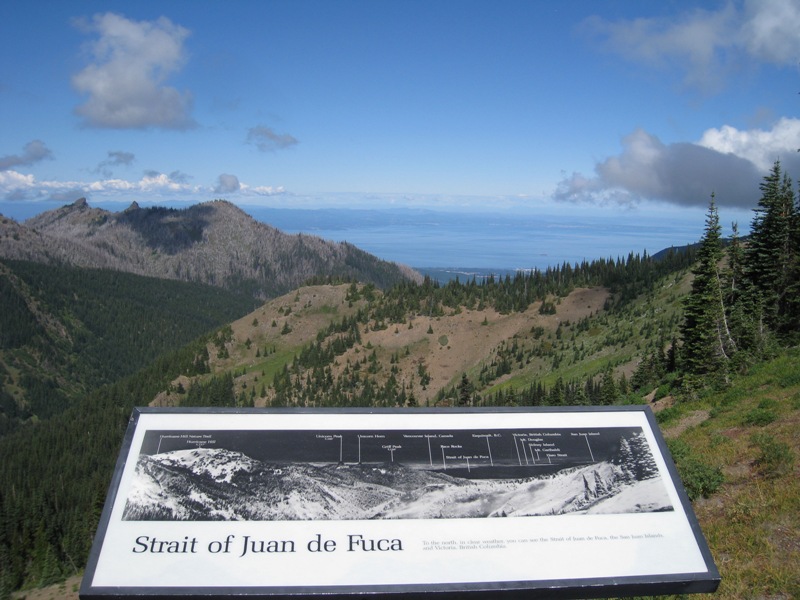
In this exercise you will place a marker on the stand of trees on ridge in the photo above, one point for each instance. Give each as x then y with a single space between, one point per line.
745 299
744 304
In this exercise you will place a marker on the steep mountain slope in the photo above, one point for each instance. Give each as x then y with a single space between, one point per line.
66 330
214 243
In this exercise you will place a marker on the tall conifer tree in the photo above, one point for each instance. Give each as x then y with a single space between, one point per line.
741 304
707 341
772 252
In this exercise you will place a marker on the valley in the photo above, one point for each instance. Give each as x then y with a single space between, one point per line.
604 332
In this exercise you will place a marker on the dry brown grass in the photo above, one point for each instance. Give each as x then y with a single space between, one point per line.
460 341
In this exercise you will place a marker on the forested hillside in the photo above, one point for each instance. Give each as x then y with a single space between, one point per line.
65 331
703 336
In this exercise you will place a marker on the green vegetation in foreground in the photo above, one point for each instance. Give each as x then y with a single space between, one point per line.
744 474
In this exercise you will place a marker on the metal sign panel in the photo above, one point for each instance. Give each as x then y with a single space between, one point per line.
261 503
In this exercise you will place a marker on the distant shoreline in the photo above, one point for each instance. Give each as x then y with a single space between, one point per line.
464 274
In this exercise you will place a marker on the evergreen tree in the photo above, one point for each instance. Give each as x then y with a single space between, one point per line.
625 459
556 395
707 341
587 491
771 257
740 301
609 393
465 390
790 321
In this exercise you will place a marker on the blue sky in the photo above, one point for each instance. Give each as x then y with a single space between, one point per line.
560 106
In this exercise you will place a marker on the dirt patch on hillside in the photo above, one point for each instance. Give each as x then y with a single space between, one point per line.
581 303
66 590
693 419
289 321
305 311
453 344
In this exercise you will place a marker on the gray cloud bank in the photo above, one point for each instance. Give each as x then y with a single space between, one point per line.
727 162
682 173
227 184
266 140
33 152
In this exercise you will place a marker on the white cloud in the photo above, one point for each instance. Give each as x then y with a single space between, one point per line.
33 152
12 180
152 185
760 147
264 190
18 186
770 30
125 80
707 44
162 182
266 140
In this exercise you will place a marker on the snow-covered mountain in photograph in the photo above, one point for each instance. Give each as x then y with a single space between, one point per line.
217 484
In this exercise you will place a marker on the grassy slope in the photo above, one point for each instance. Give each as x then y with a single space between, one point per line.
752 522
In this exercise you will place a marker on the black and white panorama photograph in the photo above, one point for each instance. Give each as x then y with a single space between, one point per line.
279 475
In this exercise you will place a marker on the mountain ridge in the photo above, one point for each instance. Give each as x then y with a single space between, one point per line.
213 242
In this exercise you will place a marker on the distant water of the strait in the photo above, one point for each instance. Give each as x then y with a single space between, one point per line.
466 243
466 274
446 245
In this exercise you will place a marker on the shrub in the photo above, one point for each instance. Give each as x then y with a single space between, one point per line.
775 459
679 449
759 417
662 391
668 414
789 378
699 479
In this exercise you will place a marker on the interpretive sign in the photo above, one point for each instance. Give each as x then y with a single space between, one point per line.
579 503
